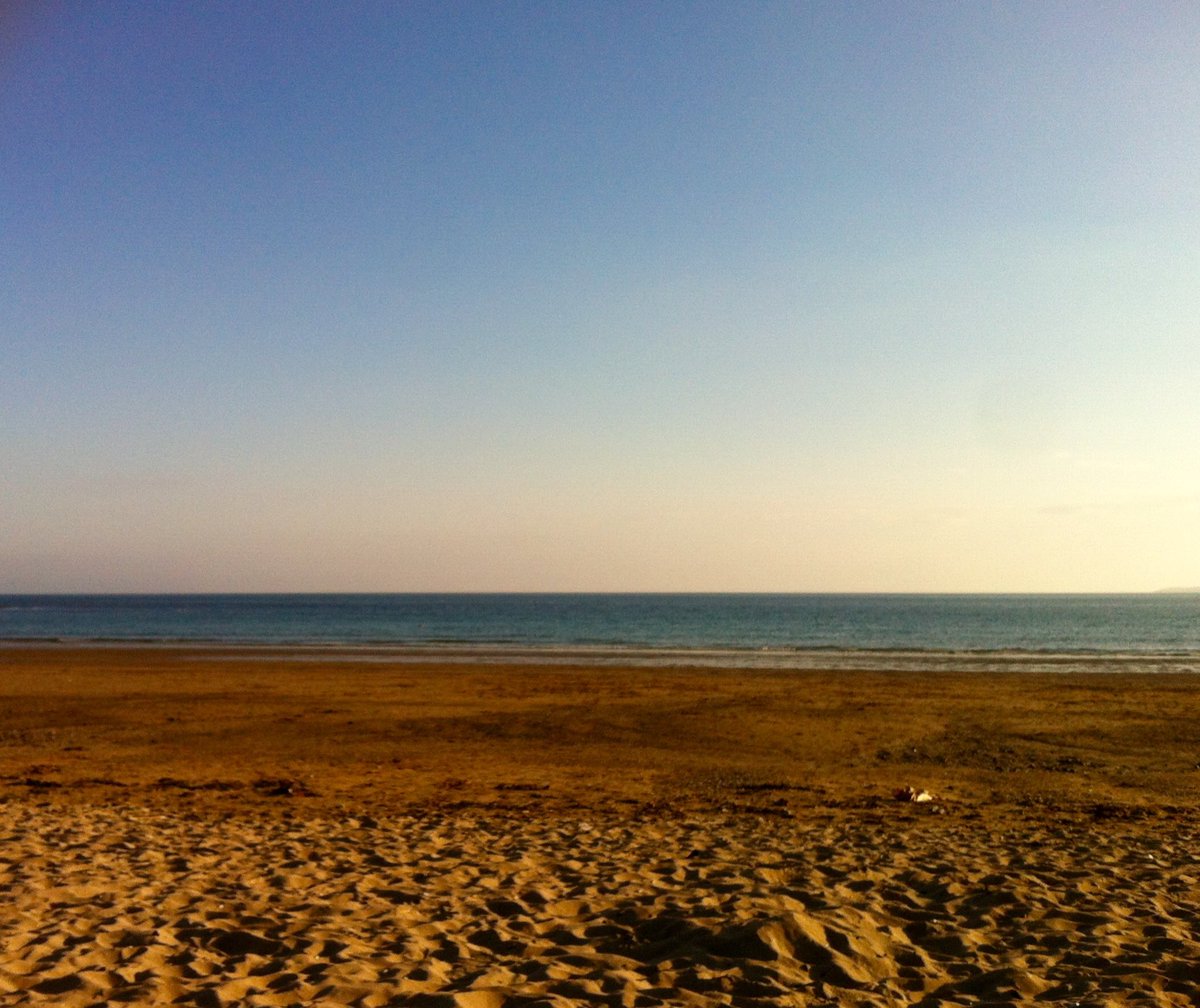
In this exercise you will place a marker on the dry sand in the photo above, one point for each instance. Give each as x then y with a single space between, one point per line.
211 827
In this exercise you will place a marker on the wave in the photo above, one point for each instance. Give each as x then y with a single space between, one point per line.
834 659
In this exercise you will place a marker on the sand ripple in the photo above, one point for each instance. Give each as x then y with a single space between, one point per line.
145 907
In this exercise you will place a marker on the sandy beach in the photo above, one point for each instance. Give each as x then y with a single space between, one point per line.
263 827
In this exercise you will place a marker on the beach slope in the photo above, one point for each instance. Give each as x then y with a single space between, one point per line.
251 827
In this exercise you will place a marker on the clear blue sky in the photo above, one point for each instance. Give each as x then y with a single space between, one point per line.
599 296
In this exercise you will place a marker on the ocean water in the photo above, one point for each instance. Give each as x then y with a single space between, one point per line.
776 624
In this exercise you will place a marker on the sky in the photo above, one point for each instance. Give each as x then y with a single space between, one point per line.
300 296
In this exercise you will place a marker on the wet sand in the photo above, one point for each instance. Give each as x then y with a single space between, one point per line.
205 826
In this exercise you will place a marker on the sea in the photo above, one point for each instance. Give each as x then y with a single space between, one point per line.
1156 632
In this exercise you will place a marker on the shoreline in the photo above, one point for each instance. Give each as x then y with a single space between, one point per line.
930 660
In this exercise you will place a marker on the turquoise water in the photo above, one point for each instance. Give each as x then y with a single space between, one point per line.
1135 624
